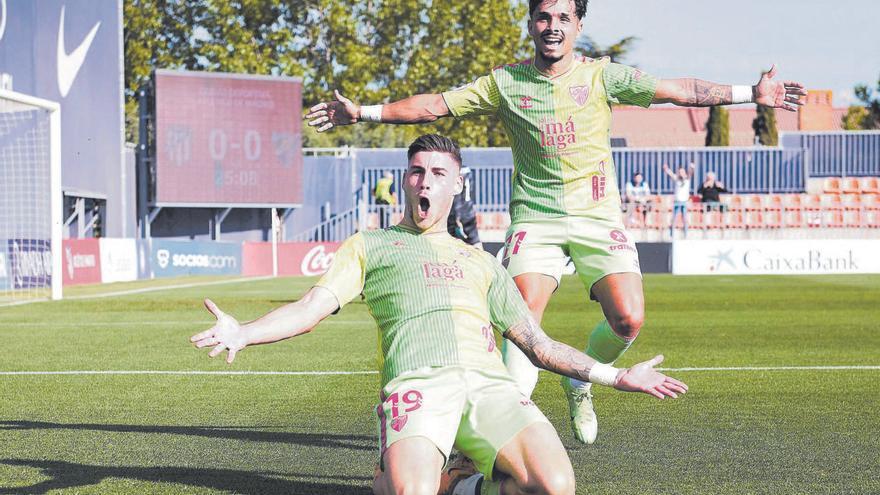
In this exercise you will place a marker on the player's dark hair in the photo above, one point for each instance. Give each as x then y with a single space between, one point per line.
580 7
435 142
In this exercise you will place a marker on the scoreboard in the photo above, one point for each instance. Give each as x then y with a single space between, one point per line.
227 140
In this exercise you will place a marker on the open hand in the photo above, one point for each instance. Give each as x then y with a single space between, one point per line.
779 94
225 334
341 111
644 378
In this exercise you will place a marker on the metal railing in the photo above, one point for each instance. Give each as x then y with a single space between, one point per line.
839 154
336 228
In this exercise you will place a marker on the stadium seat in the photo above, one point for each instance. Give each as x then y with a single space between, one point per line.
832 210
831 185
813 210
791 202
851 185
773 218
773 202
695 218
754 219
869 185
753 202
502 220
713 219
871 209
852 210
794 218
734 219
735 203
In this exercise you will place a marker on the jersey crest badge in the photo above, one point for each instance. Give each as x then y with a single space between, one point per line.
579 94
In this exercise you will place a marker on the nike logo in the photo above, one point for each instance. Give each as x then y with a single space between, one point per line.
69 64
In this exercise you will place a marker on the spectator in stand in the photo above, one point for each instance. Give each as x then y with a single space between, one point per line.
462 221
682 183
710 191
637 196
385 197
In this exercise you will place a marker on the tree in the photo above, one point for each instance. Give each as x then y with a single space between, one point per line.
371 50
718 127
765 126
856 118
871 102
616 52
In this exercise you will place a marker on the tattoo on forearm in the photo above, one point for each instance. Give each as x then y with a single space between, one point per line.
701 93
548 353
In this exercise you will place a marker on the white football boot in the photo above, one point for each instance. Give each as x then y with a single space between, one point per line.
584 423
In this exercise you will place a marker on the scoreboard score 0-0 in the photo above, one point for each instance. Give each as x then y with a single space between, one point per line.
227 139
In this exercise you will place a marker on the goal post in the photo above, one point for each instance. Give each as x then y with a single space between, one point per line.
31 200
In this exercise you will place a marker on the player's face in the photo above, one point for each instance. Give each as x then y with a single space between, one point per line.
431 182
554 28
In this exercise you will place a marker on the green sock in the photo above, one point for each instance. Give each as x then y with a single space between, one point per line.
606 346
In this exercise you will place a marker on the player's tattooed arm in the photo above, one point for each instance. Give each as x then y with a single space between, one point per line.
555 356
547 353
692 92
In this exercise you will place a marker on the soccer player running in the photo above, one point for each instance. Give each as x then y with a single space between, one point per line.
565 200
436 301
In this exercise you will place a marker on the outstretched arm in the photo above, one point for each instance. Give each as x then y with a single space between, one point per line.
690 92
560 358
416 109
287 321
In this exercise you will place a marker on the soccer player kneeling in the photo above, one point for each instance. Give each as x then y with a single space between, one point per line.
437 302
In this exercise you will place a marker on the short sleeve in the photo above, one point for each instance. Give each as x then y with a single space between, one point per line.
480 97
506 305
629 86
345 278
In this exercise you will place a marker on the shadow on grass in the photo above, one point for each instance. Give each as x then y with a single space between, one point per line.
66 475
355 442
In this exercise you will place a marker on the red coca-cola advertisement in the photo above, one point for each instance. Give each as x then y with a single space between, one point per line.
82 261
294 258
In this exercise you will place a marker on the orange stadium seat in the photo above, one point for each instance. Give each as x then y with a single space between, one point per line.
735 203
754 202
831 185
869 185
794 218
773 202
851 185
695 218
813 210
713 219
754 219
832 210
871 208
852 210
792 202
773 218
734 219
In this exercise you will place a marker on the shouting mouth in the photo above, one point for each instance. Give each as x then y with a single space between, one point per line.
424 206
551 41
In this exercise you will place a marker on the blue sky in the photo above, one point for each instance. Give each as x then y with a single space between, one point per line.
832 44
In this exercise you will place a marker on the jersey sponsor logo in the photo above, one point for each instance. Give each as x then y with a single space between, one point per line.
580 94
525 102
618 236
637 74
558 135
316 261
442 271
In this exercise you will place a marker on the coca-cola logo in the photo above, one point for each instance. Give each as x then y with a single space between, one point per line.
316 261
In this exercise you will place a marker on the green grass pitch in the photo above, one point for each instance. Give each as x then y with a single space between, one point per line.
737 431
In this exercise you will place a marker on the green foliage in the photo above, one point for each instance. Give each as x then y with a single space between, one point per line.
765 126
870 119
616 52
718 127
856 118
372 51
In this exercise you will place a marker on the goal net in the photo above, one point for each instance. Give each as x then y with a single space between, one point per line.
30 198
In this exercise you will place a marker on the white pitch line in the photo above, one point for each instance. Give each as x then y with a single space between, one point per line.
326 373
141 291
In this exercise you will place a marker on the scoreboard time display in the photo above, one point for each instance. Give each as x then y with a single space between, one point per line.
227 139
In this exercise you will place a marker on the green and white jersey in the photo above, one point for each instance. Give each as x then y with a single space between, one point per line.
435 299
559 130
